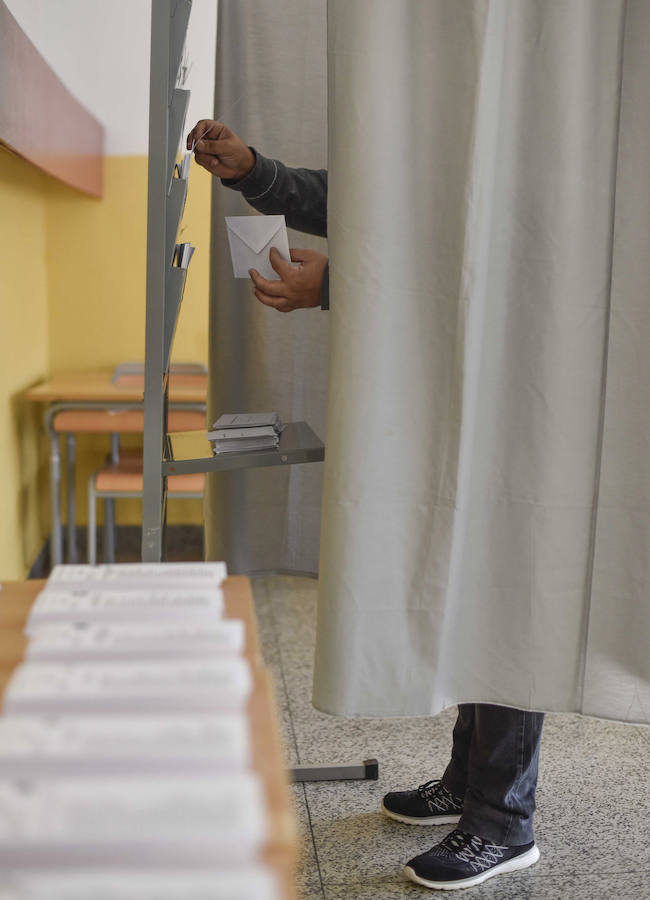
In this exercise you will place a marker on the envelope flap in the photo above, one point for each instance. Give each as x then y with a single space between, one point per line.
255 231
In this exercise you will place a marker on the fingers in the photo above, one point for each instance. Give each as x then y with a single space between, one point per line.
208 161
213 146
270 288
298 255
281 266
202 128
279 303
213 164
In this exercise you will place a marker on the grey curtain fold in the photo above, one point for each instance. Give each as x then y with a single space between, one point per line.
271 89
486 521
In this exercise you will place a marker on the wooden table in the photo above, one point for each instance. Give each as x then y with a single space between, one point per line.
281 851
96 391
98 387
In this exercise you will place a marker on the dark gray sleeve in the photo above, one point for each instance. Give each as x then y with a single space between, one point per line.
299 194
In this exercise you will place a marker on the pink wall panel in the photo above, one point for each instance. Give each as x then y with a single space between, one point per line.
40 120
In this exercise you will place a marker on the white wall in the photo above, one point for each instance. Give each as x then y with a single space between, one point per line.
100 50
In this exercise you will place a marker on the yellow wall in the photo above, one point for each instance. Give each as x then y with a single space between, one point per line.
23 362
97 279
74 289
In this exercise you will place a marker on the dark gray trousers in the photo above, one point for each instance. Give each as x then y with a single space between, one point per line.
493 765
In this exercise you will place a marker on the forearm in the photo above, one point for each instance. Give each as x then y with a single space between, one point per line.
275 189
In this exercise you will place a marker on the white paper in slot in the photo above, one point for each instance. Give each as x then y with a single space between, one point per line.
53 605
256 883
90 744
170 821
81 641
120 687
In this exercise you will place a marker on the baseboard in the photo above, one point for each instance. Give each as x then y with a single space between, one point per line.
184 543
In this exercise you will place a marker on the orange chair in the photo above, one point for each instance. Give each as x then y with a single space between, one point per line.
124 480
71 419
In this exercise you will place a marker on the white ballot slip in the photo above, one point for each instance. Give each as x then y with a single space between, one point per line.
251 239
153 605
51 745
120 687
132 575
148 821
84 642
247 420
255 883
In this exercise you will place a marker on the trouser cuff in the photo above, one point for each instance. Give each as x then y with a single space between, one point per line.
493 825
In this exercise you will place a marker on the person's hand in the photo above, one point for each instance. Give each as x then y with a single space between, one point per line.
219 150
299 286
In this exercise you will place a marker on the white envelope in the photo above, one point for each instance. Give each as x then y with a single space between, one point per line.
251 239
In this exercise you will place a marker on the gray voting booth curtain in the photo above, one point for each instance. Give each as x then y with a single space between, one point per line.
486 521
271 89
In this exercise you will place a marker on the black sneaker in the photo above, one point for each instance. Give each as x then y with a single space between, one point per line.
430 804
462 860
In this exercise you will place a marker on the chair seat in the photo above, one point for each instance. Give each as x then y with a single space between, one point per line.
126 477
126 421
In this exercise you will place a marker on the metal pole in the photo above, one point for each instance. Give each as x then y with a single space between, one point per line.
154 376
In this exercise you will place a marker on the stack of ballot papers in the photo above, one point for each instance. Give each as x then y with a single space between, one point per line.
91 642
111 745
125 745
239 432
175 820
110 884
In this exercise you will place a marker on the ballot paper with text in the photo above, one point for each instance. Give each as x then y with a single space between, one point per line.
125 575
112 687
93 744
254 883
170 820
152 604
86 642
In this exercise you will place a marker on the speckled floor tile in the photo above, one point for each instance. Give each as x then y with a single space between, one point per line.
308 880
519 886
593 796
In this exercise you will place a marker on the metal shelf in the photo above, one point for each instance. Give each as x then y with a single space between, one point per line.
190 451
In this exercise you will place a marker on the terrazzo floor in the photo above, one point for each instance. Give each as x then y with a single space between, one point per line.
593 798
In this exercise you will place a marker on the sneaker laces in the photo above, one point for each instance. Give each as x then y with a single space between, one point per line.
436 795
479 853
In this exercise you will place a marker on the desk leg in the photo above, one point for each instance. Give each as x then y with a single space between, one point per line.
72 513
55 501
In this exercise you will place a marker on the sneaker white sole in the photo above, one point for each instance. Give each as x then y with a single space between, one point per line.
529 858
450 819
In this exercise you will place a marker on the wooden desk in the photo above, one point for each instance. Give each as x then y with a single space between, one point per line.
93 391
280 854
98 387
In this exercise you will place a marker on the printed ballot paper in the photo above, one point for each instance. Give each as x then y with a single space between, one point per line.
108 884
251 239
207 685
85 642
254 883
112 745
119 576
132 605
171 821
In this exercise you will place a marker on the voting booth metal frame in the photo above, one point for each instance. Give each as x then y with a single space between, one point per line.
166 454
167 192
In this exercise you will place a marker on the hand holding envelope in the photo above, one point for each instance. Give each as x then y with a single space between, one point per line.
251 239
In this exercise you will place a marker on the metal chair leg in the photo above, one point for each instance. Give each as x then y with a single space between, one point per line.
73 556
92 522
108 540
56 548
